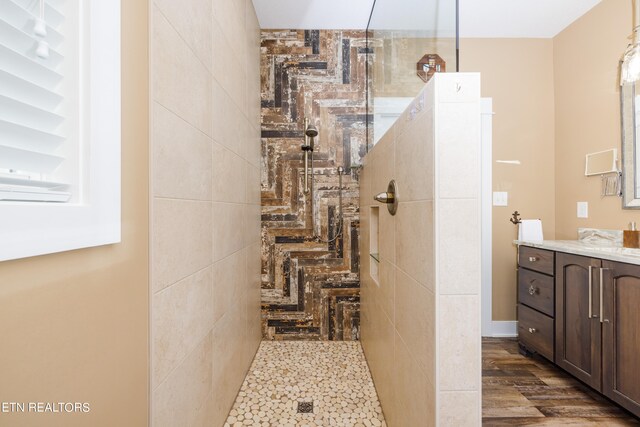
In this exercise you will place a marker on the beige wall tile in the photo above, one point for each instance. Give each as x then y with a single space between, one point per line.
244 136
367 306
384 347
203 97
386 234
462 88
366 194
182 317
253 296
231 18
459 408
252 225
252 192
229 124
178 399
254 146
229 175
182 243
205 414
459 342
458 160
181 158
387 289
414 159
229 362
415 396
181 82
383 164
229 281
192 20
458 246
365 258
228 229
415 111
415 241
418 311
253 64
416 322
228 71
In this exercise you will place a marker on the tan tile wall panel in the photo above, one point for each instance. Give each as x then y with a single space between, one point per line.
205 257
310 289
420 319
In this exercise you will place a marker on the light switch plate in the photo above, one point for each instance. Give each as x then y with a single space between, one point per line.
500 198
583 210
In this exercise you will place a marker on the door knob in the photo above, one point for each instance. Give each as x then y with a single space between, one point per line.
389 197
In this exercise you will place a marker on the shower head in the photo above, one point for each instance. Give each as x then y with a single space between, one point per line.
311 131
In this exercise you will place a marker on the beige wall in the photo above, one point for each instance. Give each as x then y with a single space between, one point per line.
587 104
427 288
555 101
74 324
518 75
205 260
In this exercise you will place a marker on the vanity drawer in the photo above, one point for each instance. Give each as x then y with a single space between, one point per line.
536 290
535 331
536 259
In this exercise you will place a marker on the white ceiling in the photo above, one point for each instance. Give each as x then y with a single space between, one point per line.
478 18
519 18
314 14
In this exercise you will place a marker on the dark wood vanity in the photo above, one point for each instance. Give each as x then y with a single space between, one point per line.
583 314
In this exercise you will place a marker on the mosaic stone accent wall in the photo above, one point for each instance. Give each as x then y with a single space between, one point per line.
310 289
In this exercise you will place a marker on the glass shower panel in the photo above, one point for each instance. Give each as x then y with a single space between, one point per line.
407 41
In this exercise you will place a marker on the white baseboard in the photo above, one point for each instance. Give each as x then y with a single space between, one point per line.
504 329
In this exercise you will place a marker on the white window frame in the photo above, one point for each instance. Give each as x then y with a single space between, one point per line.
30 229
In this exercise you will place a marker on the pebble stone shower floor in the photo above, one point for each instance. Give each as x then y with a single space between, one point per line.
307 383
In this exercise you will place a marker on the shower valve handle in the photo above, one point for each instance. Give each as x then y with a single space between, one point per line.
389 197
384 197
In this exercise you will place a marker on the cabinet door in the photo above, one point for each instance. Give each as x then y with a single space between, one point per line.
621 334
578 337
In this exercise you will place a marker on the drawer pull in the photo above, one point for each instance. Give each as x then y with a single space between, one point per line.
532 290
532 330
533 259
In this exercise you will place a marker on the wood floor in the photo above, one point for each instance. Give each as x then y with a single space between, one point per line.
522 391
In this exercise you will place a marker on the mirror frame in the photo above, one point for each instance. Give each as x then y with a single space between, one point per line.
629 147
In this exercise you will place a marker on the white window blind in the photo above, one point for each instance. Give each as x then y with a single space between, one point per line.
60 113
33 143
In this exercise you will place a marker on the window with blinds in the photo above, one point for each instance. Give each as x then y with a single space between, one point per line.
39 86
60 125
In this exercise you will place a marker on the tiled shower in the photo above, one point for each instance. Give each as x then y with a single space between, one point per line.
234 260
